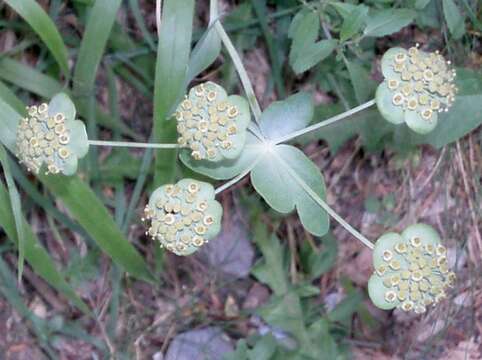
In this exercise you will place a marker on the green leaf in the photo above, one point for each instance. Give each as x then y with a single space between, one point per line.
305 52
363 84
315 263
284 117
38 19
353 22
83 205
283 192
226 169
97 30
264 348
174 46
285 312
465 114
270 269
16 209
347 307
453 17
35 253
204 53
343 9
386 22
92 215
40 84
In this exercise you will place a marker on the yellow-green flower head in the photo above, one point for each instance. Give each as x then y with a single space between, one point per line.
51 136
212 124
411 270
418 85
183 216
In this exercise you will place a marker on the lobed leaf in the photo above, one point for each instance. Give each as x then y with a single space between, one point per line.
284 193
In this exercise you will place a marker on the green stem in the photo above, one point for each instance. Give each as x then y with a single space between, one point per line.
237 178
324 205
324 123
243 75
132 144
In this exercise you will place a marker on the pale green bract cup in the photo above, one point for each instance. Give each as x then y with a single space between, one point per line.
183 216
411 270
212 124
417 87
50 136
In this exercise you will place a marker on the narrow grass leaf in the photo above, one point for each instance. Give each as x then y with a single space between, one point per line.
40 22
84 206
35 253
205 52
97 31
46 87
16 210
174 45
87 209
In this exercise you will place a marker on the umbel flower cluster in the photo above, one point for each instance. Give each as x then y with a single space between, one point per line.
418 85
49 135
411 270
212 124
183 216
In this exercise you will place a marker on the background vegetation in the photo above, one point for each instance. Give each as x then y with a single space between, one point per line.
94 286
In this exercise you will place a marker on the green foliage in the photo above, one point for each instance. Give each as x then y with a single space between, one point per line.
33 13
306 51
331 43
174 46
386 22
16 209
453 17
35 253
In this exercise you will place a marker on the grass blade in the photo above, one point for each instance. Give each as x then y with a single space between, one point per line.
174 46
35 253
84 206
16 210
87 209
38 19
94 40
40 84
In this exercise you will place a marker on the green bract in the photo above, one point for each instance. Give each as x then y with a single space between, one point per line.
212 124
184 216
411 270
417 86
51 136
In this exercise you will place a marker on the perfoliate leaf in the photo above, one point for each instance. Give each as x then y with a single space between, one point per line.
284 117
225 169
464 115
